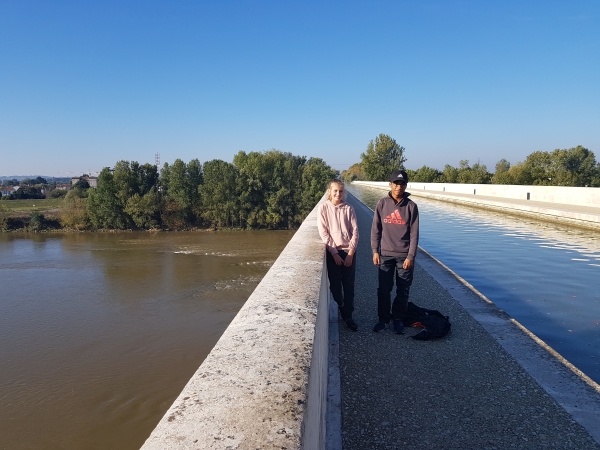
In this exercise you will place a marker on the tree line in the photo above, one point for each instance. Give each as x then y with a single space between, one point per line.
24 182
271 189
575 166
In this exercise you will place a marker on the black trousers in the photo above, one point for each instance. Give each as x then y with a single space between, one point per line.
341 283
390 267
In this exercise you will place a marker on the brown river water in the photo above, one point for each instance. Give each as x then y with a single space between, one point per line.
99 332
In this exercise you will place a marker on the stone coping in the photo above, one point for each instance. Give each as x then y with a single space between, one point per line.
264 384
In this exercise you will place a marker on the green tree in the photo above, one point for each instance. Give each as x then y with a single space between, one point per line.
502 166
39 180
277 189
518 174
254 187
105 207
180 182
144 209
537 169
354 173
381 158
425 175
502 175
219 193
125 180
283 201
269 187
464 173
73 213
78 190
147 175
315 177
477 174
165 177
573 167
82 185
178 187
171 215
449 174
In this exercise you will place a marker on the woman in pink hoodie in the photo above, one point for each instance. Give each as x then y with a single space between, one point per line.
339 231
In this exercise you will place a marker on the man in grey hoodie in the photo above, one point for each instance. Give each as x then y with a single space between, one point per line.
394 242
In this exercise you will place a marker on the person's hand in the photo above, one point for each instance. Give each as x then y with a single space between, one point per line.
376 260
407 264
338 260
348 260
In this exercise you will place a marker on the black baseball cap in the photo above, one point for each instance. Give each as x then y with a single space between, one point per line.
399 175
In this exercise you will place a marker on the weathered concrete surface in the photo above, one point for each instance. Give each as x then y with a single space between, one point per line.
486 385
257 389
583 209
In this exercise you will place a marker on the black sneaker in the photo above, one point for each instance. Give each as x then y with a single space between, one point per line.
380 326
398 326
351 324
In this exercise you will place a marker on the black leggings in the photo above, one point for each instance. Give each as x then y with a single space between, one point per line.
341 283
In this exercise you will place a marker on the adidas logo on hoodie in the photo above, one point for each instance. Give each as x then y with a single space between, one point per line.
394 218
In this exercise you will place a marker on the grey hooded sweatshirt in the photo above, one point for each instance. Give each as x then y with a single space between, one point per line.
395 229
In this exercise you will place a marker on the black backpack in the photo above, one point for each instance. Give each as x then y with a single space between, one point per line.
434 323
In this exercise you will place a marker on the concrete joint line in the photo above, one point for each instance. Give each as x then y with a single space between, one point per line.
595 386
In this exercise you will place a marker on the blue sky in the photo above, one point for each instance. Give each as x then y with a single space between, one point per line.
84 84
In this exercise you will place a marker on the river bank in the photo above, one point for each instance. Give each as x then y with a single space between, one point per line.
50 223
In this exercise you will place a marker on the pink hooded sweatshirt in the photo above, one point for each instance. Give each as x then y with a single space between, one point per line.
337 226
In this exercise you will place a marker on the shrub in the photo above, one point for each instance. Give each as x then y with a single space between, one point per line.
57 193
143 210
73 214
3 218
172 215
37 222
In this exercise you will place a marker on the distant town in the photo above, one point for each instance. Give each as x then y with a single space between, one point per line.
38 187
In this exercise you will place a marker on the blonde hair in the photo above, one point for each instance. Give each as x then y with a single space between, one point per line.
339 183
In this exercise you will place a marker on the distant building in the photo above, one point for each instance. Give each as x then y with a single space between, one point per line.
63 186
8 190
92 181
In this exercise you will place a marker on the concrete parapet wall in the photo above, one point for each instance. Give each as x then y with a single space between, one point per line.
264 384
582 196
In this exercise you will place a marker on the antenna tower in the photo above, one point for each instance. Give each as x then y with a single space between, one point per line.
157 161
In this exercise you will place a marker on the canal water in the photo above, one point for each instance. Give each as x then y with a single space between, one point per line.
544 275
99 332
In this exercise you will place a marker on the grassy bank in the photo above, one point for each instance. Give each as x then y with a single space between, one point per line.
31 205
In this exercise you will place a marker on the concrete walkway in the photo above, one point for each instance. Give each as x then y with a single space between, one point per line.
484 386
